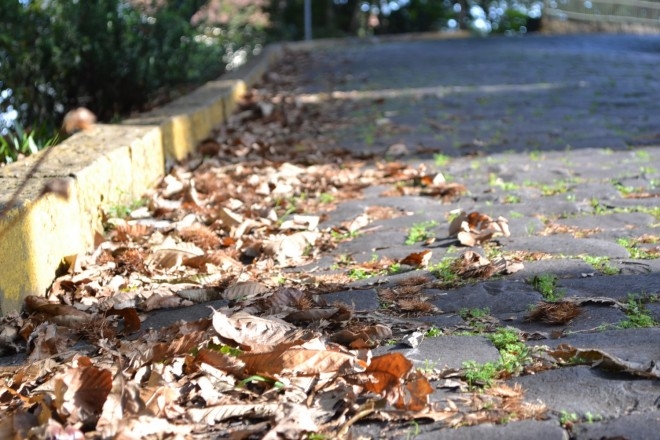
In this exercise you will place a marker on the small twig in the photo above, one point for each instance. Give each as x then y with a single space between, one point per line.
367 409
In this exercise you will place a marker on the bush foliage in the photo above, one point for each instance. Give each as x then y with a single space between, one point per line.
112 56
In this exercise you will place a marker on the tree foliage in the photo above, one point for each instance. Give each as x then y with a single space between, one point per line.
113 56
332 18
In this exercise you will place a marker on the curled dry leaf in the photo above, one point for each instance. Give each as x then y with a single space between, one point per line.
166 350
250 331
472 265
47 340
287 298
226 363
366 337
387 372
301 222
317 314
418 259
59 314
606 361
168 258
289 247
416 393
130 316
476 228
87 388
357 223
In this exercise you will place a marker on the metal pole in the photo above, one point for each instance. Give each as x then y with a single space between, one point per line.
308 19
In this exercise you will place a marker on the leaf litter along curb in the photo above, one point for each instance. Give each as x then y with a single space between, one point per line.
222 227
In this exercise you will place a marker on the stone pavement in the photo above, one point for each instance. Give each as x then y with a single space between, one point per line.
559 135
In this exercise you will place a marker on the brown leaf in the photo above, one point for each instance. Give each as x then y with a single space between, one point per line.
301 362
387 372
606 361
131 319
164 300
180 346
167 258
285 247
475 228
251 331
87 388
417 390
229 364
123 401
366 337
418 259
472 265
313 315
244 291
59 314
286 298
293 421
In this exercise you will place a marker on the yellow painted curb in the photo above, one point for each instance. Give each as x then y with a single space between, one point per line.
114 165
105 166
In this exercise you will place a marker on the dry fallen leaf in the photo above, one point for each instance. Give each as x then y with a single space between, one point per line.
60 314
86 389
418 259
476 228
606 361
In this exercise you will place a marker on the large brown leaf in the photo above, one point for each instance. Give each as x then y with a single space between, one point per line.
302 362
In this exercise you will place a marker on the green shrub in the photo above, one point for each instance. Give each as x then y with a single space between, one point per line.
112 56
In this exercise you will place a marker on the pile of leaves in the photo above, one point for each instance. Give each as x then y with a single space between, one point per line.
274 360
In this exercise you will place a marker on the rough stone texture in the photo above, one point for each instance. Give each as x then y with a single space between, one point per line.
583 390
523 430
447 351
554 141
644 426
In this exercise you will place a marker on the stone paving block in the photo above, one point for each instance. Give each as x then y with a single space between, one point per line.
638 426
362 299
583 390
638 345
447 351
591 318
615 286
562 268
568 246
620 222
500 297
523 430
